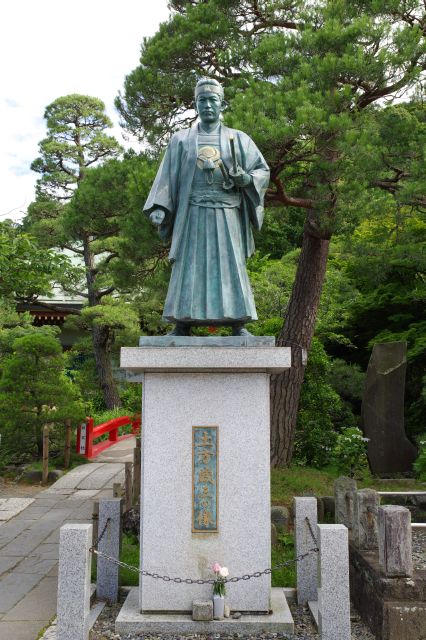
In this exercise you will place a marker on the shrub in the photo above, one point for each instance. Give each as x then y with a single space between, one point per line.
350 452
322 412
34 391
420 463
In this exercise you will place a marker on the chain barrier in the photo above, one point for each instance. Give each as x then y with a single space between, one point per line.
95 545
308 522
247 576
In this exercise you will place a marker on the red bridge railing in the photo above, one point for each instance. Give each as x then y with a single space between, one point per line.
87 432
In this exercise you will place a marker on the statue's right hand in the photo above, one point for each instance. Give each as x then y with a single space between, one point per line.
157 216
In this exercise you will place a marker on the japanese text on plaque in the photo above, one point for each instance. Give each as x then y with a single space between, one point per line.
204 479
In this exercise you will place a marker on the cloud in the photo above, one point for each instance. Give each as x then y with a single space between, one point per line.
10 102
21 170
39 70
22 137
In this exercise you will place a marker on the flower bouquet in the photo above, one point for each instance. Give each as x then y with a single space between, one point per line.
221 573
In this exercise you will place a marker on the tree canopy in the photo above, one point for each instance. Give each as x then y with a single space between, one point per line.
307 81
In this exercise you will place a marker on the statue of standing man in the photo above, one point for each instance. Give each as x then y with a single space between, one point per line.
207 196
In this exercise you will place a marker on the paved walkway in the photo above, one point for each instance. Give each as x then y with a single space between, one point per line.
29 542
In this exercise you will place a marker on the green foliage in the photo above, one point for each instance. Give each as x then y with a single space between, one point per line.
100 417
348 381
271 282
15 325
322 412
350 452
76 139
303 80
27 270
282 552
130 394
281 231
34 391
300 480
130 555
80 205
385 258
420 463
312 83
81 369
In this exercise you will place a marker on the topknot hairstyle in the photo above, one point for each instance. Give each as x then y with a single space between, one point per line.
208 85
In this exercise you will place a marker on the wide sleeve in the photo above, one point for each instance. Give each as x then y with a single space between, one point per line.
163 194
254 194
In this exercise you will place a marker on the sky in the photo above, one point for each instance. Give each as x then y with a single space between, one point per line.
52 48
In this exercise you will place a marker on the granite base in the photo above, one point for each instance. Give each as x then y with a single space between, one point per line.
130 620
207 341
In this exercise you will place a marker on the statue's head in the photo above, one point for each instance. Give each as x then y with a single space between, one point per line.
209 100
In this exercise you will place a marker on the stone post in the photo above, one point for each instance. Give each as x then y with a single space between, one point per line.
73 603
107 573
395 537
365 530
307 568
333 584
137 471
344 496
128 483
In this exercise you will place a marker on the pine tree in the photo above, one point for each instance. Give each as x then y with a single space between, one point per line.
304 80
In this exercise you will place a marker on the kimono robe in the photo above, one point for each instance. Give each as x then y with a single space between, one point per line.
210 228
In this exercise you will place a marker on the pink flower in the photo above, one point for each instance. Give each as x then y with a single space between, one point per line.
216 567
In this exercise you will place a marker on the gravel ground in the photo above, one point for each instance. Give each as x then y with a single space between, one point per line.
419 549
304 626
9 489
304 629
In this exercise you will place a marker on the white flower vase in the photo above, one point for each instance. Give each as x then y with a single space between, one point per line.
218 606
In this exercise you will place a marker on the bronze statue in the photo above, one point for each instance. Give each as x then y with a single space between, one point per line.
207 196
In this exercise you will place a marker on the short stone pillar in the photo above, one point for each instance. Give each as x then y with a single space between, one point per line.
107 572
202 610
365 529
333 583
395 539
306 569
344 497
73 603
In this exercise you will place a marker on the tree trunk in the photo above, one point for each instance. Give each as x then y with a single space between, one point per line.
67 448
38 432
101 337
45 470
297 333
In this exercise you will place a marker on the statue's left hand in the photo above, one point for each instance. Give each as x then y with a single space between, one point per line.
240 177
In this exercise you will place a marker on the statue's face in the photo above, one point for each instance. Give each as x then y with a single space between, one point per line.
209 107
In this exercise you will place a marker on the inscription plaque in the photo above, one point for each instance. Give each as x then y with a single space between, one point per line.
204 479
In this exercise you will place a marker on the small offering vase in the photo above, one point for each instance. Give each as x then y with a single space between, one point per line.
218 606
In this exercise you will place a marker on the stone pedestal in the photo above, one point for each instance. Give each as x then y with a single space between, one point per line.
205 386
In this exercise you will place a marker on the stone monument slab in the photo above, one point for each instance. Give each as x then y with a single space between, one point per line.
382 413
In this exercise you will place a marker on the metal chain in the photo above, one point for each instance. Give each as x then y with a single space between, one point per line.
99 538
311 531
247 576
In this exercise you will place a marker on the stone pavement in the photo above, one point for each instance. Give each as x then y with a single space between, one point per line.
29 545
10 507
120 452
